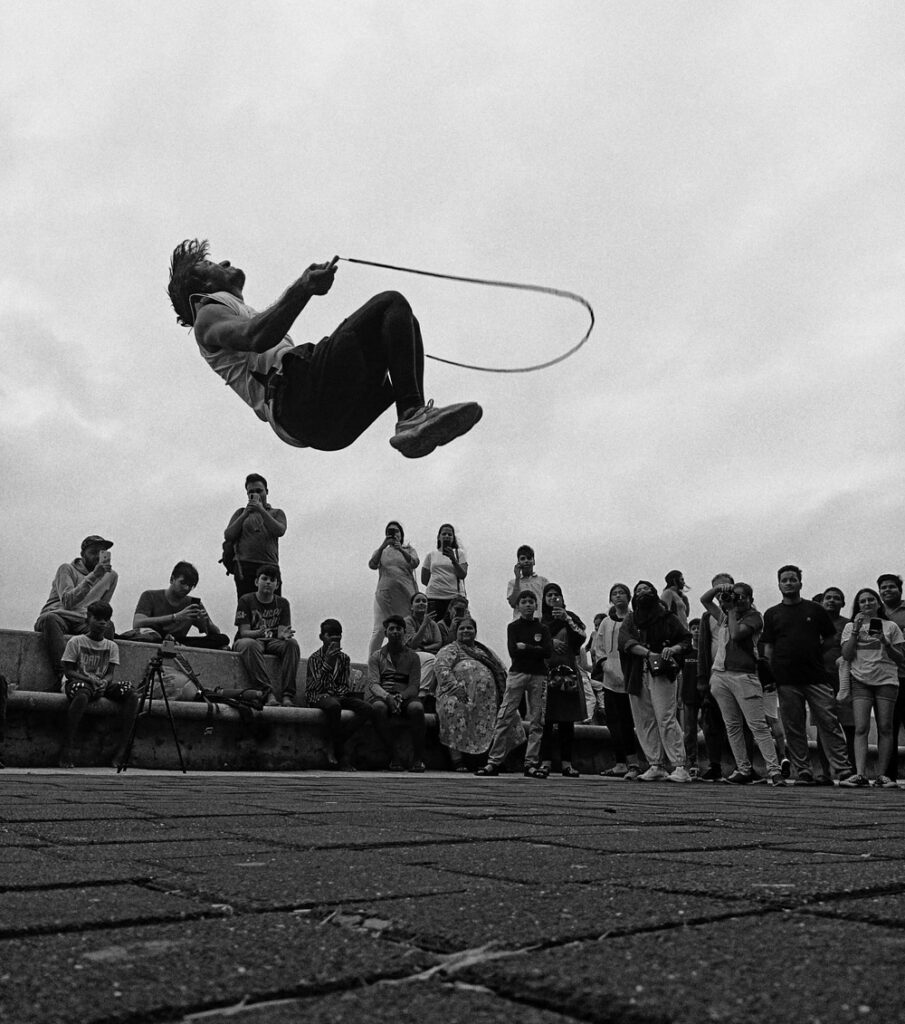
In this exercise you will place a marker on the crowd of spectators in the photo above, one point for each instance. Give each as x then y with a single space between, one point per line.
650 670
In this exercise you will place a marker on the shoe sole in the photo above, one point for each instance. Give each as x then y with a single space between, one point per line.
445 427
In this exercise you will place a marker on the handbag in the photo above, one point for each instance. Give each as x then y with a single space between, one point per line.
562 677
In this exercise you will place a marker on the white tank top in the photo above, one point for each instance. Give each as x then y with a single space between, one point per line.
237 368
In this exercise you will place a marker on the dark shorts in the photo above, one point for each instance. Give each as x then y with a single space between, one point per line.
333 391
117 691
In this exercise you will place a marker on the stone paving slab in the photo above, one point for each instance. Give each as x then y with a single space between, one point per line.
421 1002
23 913
775 968
107 975
722 904
515 916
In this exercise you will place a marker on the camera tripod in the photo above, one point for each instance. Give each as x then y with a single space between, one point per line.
154 674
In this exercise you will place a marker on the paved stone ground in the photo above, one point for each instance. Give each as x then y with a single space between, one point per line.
263 899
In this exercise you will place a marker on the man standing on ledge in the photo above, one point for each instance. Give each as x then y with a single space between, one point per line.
320 396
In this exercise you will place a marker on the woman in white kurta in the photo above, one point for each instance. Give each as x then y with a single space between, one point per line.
395 562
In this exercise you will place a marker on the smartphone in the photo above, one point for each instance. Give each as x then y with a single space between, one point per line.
876 627
104 556
195 601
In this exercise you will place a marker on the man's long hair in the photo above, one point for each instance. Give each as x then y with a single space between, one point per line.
184 277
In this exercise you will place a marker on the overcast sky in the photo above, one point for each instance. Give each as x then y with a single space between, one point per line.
723 181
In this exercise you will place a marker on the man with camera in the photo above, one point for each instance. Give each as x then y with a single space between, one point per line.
254 534
172 612
793 636
734 683
76 584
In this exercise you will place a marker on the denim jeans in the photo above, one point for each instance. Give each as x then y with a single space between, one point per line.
534 690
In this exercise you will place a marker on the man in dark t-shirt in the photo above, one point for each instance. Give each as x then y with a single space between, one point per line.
265 627
794 632
394 678
172 612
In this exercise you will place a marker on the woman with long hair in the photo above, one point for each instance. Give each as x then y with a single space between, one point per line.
444 570
874 649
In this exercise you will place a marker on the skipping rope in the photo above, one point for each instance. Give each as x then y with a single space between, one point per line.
542 289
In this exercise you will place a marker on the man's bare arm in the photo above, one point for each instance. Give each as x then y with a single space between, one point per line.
218 327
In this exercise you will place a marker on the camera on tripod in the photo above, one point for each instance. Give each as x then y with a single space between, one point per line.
168 648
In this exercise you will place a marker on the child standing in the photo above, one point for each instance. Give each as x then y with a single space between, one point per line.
529 647
88 663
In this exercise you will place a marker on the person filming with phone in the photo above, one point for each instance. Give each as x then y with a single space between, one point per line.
76 584
172 612
254 534
874 648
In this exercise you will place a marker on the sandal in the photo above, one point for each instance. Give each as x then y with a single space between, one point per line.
542 771
488 771
534 772
571 773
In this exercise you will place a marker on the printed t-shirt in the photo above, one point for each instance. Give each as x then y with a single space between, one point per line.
93 657
872 666
251 612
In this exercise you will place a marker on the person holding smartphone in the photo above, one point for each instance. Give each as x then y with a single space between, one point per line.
254 533
76 584
874 649
395 563
172 612
443 571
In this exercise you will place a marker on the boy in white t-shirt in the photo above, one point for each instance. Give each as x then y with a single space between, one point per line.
88 663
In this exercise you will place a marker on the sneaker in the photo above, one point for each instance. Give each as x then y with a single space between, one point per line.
417 767
737 778
885 782
824 780
395 766
272 702
854 781
288 702
489 770
618 771
785 768
805 778
694 772
679 774
632 773
428 427
653 774
776 779
713 774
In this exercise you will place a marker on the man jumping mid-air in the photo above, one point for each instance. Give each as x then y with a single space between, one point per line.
314 396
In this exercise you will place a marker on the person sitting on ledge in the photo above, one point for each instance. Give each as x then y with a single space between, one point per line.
328 686
88 662
76 585
394 675
265 627
172 612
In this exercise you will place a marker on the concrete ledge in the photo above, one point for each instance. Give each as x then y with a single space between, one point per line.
279 739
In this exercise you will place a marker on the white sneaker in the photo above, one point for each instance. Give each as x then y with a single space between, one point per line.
428 427
653 774
680 774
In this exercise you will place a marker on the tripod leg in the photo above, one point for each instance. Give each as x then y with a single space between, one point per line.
166 701
146 684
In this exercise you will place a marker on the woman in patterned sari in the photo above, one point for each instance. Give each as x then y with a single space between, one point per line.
470 685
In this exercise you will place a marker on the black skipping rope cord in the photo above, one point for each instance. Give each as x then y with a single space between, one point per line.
542 289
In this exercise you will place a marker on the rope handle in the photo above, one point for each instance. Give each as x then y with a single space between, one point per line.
541 289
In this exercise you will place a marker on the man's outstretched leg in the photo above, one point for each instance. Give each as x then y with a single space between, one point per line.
374 359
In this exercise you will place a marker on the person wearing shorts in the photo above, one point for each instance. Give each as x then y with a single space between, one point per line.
88 663
320 396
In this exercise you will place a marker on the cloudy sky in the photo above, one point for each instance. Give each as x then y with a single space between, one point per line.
722 180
